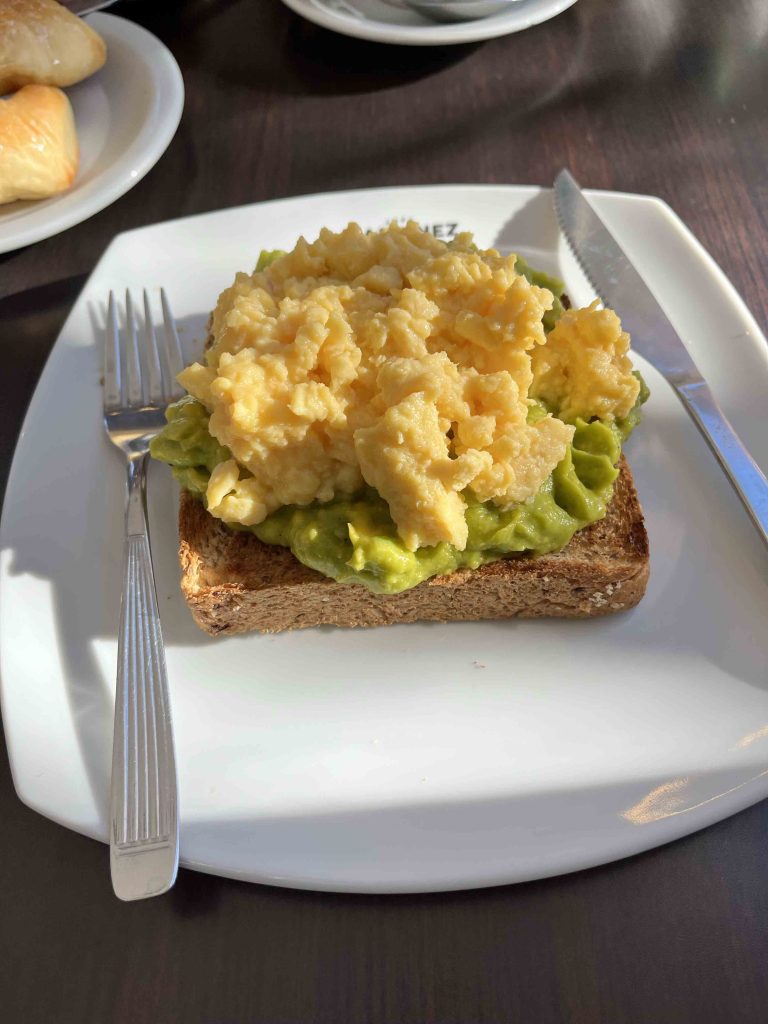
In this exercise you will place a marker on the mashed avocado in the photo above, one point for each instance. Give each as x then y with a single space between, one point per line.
354 539
187 446
542 280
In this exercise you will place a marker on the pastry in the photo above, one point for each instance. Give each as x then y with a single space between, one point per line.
38 144
43 43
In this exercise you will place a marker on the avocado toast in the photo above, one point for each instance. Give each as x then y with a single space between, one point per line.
389 428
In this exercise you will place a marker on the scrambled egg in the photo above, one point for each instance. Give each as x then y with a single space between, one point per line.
400 361
584 370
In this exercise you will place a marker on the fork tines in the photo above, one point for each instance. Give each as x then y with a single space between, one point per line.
125 385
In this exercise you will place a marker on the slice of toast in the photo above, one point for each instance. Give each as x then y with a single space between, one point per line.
234 583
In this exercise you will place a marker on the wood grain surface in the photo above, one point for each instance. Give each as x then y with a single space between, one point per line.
658 96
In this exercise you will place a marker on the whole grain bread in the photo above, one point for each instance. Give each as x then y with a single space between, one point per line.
234 583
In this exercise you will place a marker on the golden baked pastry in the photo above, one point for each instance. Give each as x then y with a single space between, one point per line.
43 43
38 144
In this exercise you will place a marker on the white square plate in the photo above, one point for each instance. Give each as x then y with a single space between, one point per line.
419 757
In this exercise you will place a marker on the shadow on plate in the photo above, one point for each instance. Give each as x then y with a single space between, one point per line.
523 230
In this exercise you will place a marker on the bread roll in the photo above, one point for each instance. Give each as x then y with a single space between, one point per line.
38 144
43 43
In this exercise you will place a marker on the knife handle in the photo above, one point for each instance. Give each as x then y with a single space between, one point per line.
741 469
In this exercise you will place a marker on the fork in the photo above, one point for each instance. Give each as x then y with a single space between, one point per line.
144 822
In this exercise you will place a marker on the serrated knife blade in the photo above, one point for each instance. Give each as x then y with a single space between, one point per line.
619 285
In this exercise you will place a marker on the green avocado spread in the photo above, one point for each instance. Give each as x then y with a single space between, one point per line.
354 539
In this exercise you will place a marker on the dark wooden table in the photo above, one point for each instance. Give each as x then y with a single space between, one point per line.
661 96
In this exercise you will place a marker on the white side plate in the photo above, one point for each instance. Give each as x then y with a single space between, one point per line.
126 115
418 757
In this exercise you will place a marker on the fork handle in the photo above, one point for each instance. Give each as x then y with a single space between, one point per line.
144 822
741 469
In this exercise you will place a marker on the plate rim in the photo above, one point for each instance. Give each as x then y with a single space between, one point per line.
442 186
501 24
155 135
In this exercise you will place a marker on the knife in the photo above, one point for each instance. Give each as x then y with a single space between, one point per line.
619 286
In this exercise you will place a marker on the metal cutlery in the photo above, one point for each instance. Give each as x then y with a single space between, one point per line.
619 286
144 822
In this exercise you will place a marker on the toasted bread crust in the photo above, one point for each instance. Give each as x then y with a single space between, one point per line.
234 583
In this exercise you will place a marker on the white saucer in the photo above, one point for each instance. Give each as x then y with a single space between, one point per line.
126 116
381 22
